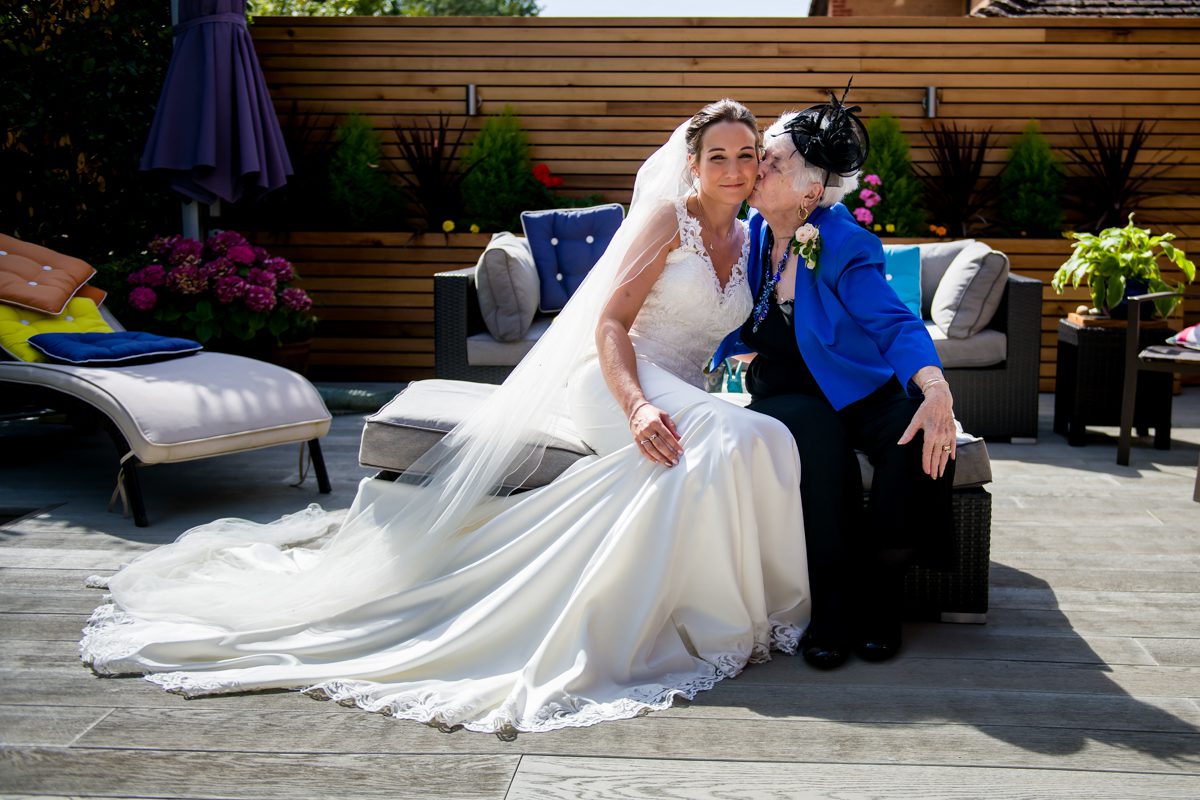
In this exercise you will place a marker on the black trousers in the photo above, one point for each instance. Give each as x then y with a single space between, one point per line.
856 555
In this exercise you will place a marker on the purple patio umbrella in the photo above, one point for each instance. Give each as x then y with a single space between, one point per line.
215 134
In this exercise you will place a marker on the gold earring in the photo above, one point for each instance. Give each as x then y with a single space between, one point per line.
802 214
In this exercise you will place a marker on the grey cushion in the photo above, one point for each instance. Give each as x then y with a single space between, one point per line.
400 433
969 293
507 283
484 351
416 419
985 349
935 260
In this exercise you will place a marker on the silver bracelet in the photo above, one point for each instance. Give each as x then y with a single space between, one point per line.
635 409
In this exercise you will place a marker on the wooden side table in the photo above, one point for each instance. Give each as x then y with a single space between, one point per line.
1090 379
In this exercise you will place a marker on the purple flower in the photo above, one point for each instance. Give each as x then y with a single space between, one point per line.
186 252
869 198
864 216
296 299
261 277
241 254
143 298
872 180
260 254
149 276
230 288
282 268
220 243
218 268
163 245
186 279
259 298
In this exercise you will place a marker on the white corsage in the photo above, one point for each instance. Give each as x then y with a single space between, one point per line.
806 242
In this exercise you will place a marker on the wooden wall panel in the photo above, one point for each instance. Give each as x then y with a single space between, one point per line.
598 95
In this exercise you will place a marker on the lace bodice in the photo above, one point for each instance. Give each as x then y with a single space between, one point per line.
688 313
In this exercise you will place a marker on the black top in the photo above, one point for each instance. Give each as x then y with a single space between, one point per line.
779 367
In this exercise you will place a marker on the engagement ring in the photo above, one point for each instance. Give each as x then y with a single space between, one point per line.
945 448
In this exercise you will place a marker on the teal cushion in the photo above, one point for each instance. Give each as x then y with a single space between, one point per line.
902 265
104 349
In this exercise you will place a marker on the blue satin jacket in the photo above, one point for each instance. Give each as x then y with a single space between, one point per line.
852 329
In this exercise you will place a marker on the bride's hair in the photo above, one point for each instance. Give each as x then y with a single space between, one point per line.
725 110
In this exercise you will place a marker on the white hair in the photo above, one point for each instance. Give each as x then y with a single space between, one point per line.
836 186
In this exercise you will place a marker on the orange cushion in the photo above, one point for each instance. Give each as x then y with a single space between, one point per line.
38 278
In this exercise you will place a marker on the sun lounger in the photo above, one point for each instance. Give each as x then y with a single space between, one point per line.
199 406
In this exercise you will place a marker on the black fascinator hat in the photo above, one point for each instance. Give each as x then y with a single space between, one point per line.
830 136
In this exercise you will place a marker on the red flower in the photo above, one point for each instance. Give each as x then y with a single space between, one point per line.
546 178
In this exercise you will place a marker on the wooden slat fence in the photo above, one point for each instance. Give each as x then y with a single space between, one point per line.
598 95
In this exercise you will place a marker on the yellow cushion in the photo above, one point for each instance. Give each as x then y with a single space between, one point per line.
18 324
39 278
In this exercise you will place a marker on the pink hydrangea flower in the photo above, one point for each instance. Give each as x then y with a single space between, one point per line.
230 288
220 243
296 299
259 298
869 198
152 275
219 267
872 180
282 268
241 254
186 251
143 298
261 277
186 279
864 216
163 245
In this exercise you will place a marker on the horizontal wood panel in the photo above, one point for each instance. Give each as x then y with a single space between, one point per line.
597 96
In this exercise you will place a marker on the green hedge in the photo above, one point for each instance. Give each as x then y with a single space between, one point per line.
81 80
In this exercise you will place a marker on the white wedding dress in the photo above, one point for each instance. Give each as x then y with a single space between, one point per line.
603 595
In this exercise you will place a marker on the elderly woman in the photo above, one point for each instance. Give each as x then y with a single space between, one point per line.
845 365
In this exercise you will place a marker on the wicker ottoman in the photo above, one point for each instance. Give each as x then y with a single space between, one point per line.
400 432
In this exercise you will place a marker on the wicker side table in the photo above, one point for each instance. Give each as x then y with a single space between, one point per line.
1091 375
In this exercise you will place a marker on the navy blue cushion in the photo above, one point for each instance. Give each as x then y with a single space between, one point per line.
118 347
902 264
566 243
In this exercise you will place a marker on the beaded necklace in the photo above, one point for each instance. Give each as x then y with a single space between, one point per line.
764 297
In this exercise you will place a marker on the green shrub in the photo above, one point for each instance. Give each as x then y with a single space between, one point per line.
499 182
359 187
1031 187
898 189
81 80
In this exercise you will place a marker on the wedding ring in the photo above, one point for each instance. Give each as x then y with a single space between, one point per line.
652 438
644 441
945 448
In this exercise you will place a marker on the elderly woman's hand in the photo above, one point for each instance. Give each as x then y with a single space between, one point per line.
936 418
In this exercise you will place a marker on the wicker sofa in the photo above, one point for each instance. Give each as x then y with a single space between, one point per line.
994 374
399 433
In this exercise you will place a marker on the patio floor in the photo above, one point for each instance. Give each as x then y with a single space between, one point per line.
1083 684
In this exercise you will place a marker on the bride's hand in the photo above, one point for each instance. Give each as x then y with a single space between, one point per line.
656 435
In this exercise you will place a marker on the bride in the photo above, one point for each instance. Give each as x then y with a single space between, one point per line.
664 563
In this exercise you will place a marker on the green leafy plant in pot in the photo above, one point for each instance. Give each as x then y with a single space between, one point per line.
1117 258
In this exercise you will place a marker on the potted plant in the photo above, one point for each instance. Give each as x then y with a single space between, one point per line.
889 201
1119 262
226 294
957 191
1031 187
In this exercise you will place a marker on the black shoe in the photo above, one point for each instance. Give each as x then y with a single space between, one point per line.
823 653
880 643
